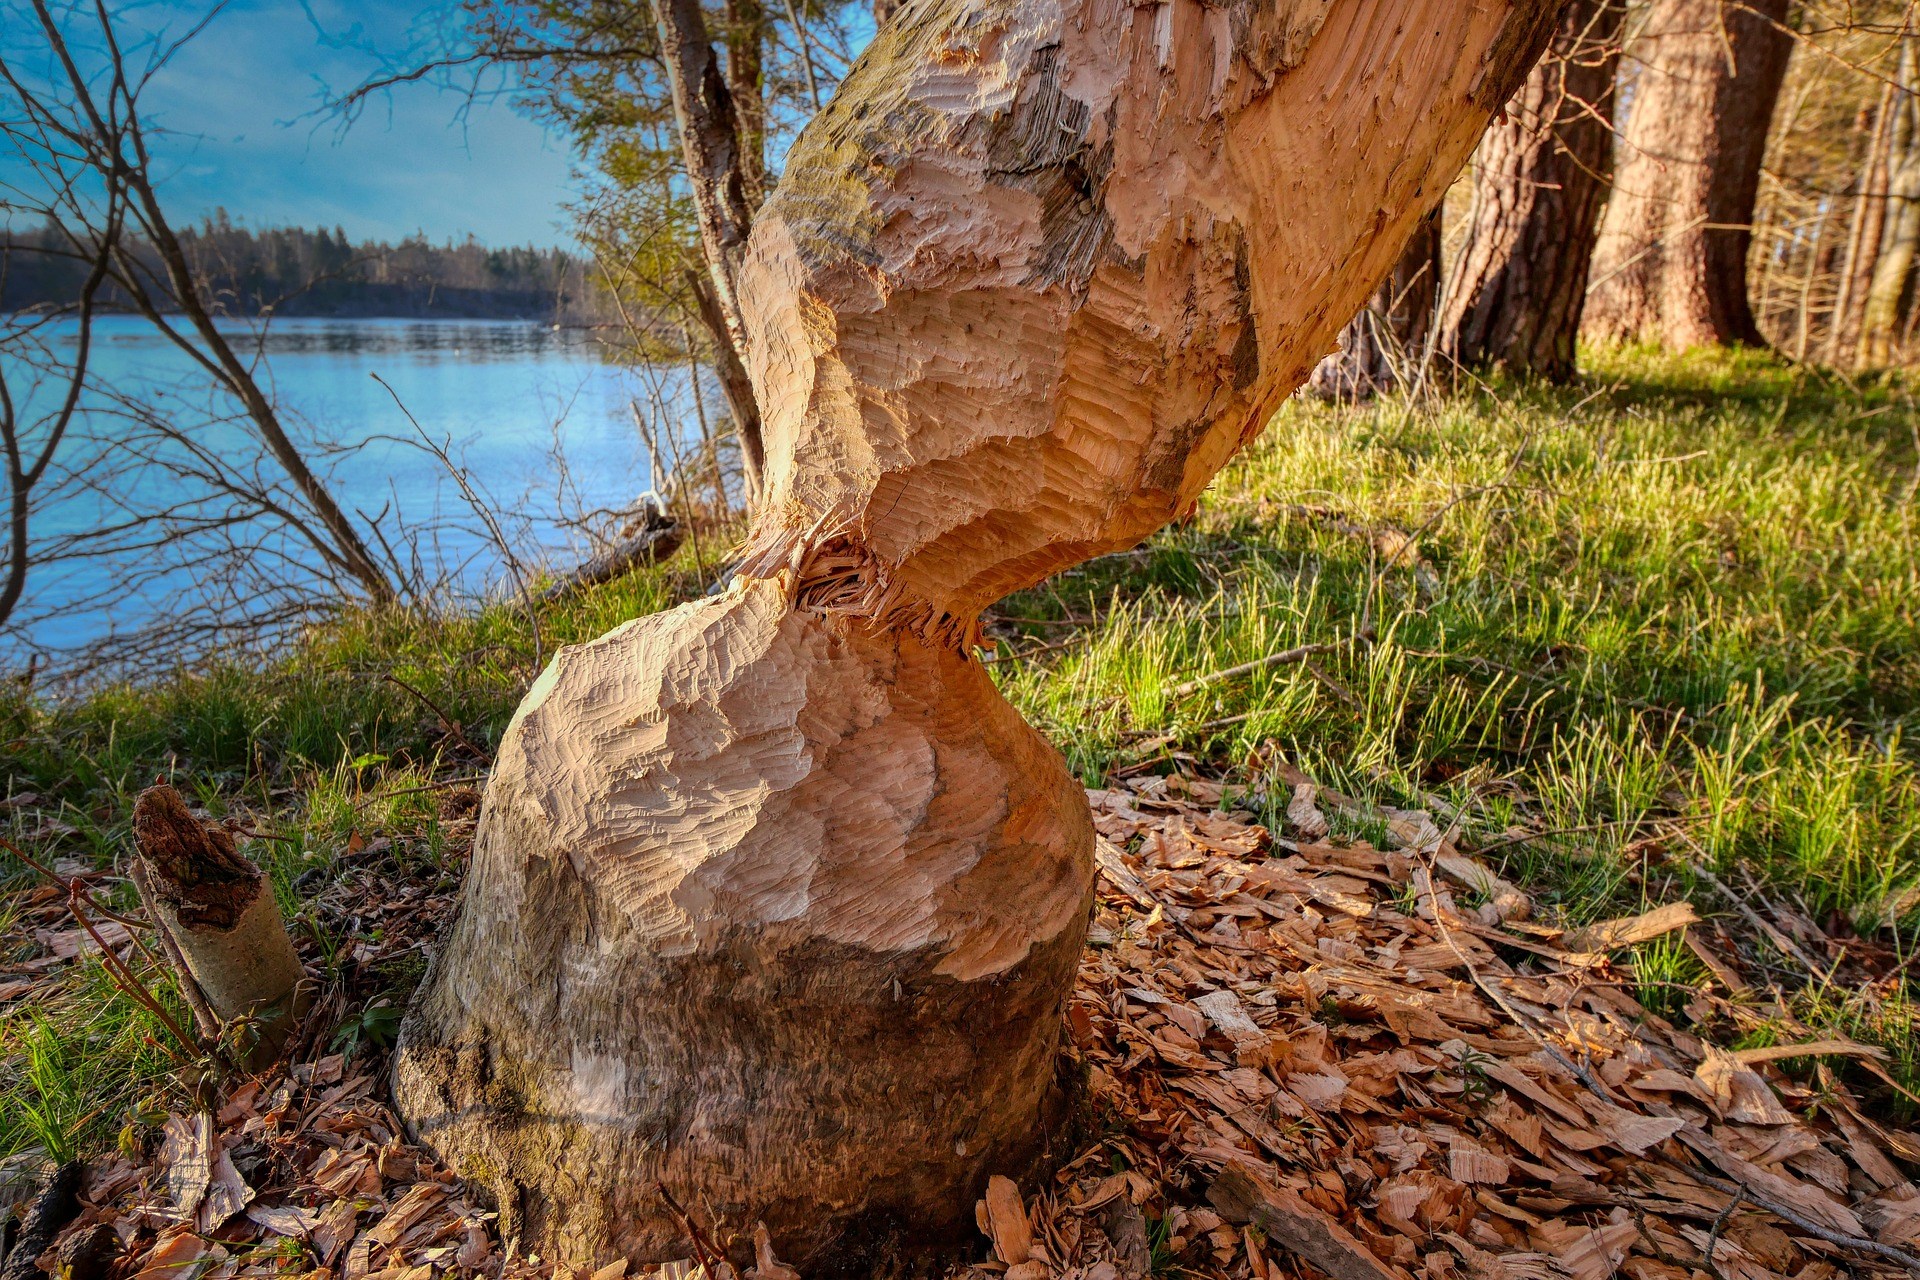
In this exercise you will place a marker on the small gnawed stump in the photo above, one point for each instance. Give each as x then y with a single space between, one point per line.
220 913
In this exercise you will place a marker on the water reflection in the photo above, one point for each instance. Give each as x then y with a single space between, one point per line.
513 399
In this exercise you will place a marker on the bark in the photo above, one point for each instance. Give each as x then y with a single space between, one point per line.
775 901
735 385
220 914
52 1208
1900 231
1671 265
1516 296
1386 344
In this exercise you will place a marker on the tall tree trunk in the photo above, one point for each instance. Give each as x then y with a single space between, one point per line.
1386 343
1516 296
1900 231
1863 239
775 900
746 39
1671 265
724 169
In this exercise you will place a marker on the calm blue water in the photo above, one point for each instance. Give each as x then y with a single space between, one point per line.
510 396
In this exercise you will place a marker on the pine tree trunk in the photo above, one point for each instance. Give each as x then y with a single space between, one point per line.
1900 230
775 901
1386 344
1671 265
1516 296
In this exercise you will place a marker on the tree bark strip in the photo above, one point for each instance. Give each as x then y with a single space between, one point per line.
1863 239
1516 296
710 139
1671 265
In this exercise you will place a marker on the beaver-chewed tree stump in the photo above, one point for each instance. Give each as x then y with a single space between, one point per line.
775 902
219 912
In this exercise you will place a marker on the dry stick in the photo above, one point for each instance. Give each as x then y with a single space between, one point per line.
705 1252
1767 930
452 725
1334 686
1295 654
116 968
1713 1236
486 516
440 785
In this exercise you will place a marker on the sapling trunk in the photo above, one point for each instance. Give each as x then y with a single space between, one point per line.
775 900
220 913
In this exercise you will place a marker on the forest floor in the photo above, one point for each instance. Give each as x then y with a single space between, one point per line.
1645 642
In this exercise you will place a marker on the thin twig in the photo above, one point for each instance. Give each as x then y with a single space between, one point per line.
441 785
448 722
1284 656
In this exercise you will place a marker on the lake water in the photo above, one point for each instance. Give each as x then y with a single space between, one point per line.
511 397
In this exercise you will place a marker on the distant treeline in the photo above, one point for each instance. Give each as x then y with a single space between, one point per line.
293 271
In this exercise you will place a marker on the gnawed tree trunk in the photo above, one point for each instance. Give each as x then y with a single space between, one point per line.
1386 343
775 901
219 913
1671 265
1516 295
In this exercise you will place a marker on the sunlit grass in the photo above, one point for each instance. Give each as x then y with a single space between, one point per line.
1679 599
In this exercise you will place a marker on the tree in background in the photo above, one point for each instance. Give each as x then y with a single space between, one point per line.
1386 344
1519 283
1671 264
1826 188
775 901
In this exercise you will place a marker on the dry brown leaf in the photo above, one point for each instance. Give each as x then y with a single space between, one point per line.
1737 1092
1304 814
1611 935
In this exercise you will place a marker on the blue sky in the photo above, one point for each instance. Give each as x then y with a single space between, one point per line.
240 101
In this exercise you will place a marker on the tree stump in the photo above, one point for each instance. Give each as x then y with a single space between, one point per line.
220 913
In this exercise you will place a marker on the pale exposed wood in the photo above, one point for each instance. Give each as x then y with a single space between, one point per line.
775 901
219 913
775 908
1039 270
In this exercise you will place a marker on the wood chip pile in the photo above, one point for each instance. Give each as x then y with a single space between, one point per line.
1318 1057
1301 1058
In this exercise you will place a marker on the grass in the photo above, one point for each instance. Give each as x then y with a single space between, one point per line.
1679 599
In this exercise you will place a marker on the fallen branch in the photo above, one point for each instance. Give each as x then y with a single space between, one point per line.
1295 1224
659 537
